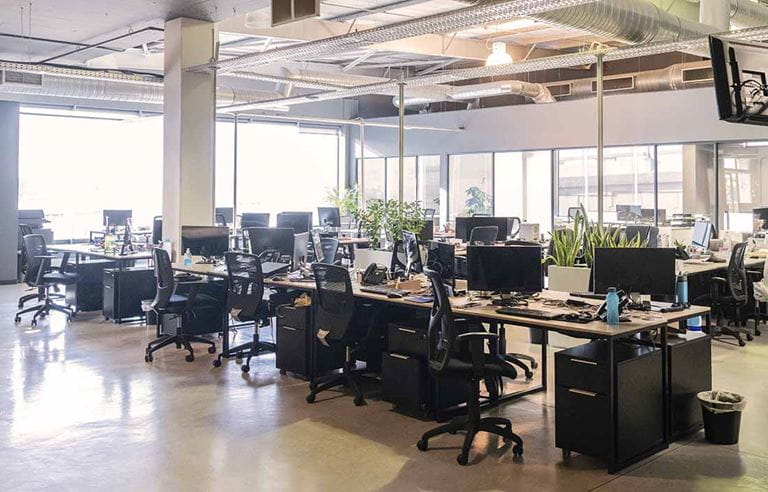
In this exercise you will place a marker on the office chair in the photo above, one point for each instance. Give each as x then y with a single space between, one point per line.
329 247
456 350
245 303
513 228
429 214
344 322
40 275
221 221
573 212
484 235
24 230
649 234
168 302
157 229
731 294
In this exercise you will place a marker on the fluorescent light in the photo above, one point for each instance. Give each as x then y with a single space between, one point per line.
499 55
760 143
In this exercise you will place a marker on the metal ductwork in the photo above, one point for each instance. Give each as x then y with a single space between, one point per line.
484 12
430 94
745 13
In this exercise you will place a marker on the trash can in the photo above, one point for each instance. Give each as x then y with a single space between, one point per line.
722 415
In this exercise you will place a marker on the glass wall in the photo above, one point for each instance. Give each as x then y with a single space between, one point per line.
686 182
74 176
576 181
743 169
628 194
523 186
410 183
429 182
470 189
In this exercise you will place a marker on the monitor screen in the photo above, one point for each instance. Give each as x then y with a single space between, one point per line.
226 212
504 268
464 226
116 218
702 232
413 262
739 70
441 257
298 221
635 270
428 231
300 249
628 213
250 219
329 216
205 240
279 239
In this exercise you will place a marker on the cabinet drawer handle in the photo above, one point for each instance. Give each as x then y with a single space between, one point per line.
404 357
407 330
288 328
587 362
591 394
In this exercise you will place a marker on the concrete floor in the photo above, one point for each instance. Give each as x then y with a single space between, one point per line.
80 410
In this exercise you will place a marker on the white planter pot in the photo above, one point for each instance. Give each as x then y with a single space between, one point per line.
568 279
366 256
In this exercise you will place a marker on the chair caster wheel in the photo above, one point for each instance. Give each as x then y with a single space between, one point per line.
217 363
283 372
239 356
529 375
74 314
750 337
517 450
189 358
566 454
245 368
422 445
312 386
178 346
17 319
310 398
212 349
462 459
33 322
359 401
758 333
741 342
147 359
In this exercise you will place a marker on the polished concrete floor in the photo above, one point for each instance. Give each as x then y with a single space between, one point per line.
80 410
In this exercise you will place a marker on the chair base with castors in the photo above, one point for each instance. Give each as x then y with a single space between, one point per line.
471 425
248 350
180 340
43 310
349 377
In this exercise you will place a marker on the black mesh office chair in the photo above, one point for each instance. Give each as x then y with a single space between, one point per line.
483 235
24 230
168 302
730 295
456 350
157 229
42 276
245 303
339 320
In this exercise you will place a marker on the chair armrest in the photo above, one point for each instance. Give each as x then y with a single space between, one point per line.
720 280
46 257
477 335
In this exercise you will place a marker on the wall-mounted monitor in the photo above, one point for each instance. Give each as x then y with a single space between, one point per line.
741 84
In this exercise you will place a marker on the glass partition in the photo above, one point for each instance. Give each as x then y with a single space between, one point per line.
470 181
523 186
743 171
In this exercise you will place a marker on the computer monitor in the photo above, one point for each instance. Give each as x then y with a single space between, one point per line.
635 270
300 249
702 233
428 231
413 262
464 226
227 213
739 71
441 257
628 213
505 269
276 239
298 221
251 219
116 218
205 240
317 246
329 216
762 214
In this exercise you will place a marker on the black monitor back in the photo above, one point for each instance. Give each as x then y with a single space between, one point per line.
116 218
505 268
227 213
254 219
205 240
329 216
298 221
464 226
280 239
642 270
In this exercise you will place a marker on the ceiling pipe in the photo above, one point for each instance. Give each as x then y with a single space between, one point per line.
485 12
745 13
427 95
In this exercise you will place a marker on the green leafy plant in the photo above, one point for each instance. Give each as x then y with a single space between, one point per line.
346 200
477 202
599 236
567 244
390 217
371 220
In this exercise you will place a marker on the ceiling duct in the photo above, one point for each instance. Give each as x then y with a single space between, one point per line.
483 12
431 94
745 13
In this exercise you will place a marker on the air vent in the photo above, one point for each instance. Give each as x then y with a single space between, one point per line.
560 90
21 78
694 75
616 84
285 11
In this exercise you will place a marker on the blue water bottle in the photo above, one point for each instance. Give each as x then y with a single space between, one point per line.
612 306
682 289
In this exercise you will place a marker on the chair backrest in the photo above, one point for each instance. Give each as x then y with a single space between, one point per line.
329 246
166 285
513 227
429 214
441 337
398 250
737 273
221 220
317 246
245 285
573 212
483 234
35 247
24 230
334 300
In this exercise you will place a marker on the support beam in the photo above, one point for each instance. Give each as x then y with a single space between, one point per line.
189 128
401 141
9 190
600 140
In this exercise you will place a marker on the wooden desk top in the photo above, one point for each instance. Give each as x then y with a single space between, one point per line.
696 267
641 321
87 249
353 240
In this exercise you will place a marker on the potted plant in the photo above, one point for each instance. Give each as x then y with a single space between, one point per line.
347 201
563 272
389 219
477 202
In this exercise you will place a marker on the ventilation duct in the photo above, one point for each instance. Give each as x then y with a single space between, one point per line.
486 12
430 94
745 13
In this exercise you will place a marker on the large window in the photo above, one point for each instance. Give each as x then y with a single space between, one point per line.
73 167
576 181
523 186
381 179
628 194
429 182
743 171
409 178
470 184
693 195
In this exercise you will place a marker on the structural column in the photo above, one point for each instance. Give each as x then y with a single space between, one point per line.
189 128
9 190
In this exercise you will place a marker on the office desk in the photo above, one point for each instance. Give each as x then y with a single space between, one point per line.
696 267
83 250
640 322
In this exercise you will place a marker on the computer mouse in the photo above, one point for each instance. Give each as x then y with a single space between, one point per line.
394 295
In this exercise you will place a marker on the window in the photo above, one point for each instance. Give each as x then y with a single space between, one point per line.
628 184
285 167
429 182
694 195
73 177
523 187
409 181
743 167
225 164
576 181
374 173
470 184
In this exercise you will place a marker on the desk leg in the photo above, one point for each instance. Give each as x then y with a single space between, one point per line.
225 331
665 381
544 350
612 463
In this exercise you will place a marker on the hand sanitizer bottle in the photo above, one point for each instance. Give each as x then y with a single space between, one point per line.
187 258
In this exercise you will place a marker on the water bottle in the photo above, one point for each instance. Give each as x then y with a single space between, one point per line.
612 306
187 258
682 289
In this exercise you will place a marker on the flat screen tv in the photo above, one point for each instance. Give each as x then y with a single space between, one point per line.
741 88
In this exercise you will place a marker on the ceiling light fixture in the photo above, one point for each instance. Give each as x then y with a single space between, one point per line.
499 55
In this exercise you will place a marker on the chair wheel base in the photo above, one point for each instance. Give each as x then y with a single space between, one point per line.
462 459
17 319
189 358
147 359
245 368
217 363
310 398
750 337
422 445
212 349
517 450
359 401
283 372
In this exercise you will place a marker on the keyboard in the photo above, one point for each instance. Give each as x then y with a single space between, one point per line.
384 290
528 313
588 295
